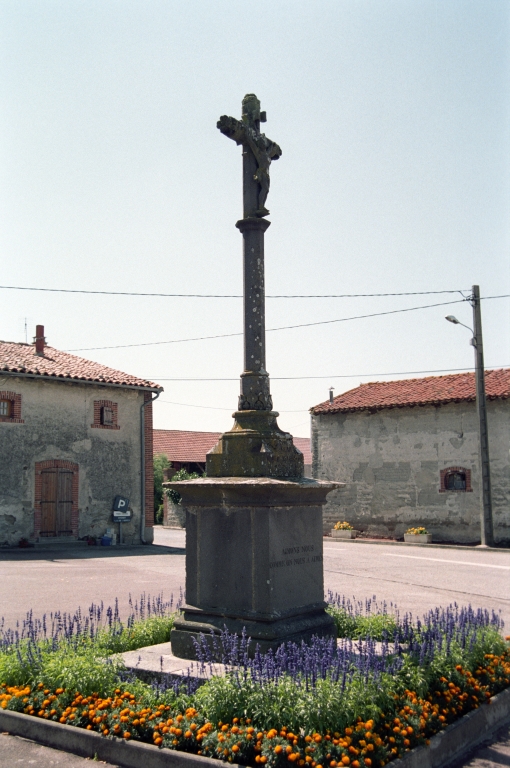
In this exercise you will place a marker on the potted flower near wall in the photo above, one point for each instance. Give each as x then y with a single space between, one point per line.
418 535
343 531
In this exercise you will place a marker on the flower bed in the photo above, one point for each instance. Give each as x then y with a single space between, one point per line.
358 703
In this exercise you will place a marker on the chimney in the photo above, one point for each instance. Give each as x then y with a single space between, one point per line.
39 340
331 394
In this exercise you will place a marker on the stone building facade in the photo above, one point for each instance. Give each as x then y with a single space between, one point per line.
408 452
70 441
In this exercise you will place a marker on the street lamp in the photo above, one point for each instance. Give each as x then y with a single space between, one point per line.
487 535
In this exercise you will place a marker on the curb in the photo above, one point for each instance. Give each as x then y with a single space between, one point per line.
432 545
445 747
85 743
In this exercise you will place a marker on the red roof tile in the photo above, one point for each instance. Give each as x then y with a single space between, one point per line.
303 445
432 390
184 446
21 358
178 445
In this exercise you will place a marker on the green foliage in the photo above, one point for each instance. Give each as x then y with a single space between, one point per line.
85 664
160 464
300 706
147 632
82 664
181 474
378 626
79 670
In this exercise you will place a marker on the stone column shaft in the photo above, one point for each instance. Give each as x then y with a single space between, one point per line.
254 379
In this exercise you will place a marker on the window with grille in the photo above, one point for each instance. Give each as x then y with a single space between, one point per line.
455 479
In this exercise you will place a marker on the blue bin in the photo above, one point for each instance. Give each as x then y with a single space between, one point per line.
106 541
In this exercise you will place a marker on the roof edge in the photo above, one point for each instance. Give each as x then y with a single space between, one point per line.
75 380
389 406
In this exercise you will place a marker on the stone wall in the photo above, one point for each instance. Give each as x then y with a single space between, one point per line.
58 424
391 461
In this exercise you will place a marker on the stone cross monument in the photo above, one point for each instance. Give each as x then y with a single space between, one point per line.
254 524
255 446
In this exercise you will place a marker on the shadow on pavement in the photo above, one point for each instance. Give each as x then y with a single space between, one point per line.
87 553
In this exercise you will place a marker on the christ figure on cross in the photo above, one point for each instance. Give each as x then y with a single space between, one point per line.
262 150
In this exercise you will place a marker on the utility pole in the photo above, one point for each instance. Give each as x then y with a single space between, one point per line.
487 535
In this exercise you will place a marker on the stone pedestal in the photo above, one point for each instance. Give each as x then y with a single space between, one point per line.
255 447
253 561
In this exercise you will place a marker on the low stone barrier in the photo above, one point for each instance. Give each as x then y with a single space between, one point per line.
445 747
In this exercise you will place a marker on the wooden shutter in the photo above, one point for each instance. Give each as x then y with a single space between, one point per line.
64 502
49 502
107 415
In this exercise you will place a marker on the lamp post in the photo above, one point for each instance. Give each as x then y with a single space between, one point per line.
487 535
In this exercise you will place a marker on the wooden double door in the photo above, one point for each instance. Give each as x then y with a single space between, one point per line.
56 502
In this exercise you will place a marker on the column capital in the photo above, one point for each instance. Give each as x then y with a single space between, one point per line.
253 224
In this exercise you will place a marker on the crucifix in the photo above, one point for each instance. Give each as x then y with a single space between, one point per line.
253 506
255 446
258 153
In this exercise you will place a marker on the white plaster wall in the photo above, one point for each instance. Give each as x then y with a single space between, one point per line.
57 425
390 461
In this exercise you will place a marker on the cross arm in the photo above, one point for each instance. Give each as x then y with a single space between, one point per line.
232 128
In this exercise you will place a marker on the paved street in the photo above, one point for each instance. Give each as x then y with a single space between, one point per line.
415 578
419 578
16 751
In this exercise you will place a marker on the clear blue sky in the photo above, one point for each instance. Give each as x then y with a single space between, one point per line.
393 118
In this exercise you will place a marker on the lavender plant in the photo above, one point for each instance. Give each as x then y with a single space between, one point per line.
328 684
73 650
316 686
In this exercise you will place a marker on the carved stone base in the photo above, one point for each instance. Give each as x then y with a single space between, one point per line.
255 447
266 635
253 560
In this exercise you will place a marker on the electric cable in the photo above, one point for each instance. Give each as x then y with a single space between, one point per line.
268 330
228 296
338 375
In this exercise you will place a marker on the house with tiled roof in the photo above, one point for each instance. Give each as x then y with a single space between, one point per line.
184 449
74 434
408 453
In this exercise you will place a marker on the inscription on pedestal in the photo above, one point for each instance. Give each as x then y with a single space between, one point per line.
304 554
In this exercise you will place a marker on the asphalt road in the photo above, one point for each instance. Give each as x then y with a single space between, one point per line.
415 578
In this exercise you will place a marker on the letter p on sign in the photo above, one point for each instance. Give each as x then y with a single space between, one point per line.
120 504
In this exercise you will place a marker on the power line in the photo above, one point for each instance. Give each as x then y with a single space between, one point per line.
338 375
227 296
304 410
281 328
215 408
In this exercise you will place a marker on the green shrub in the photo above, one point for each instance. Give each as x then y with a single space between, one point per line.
82 671
160 464
378 626
174 496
